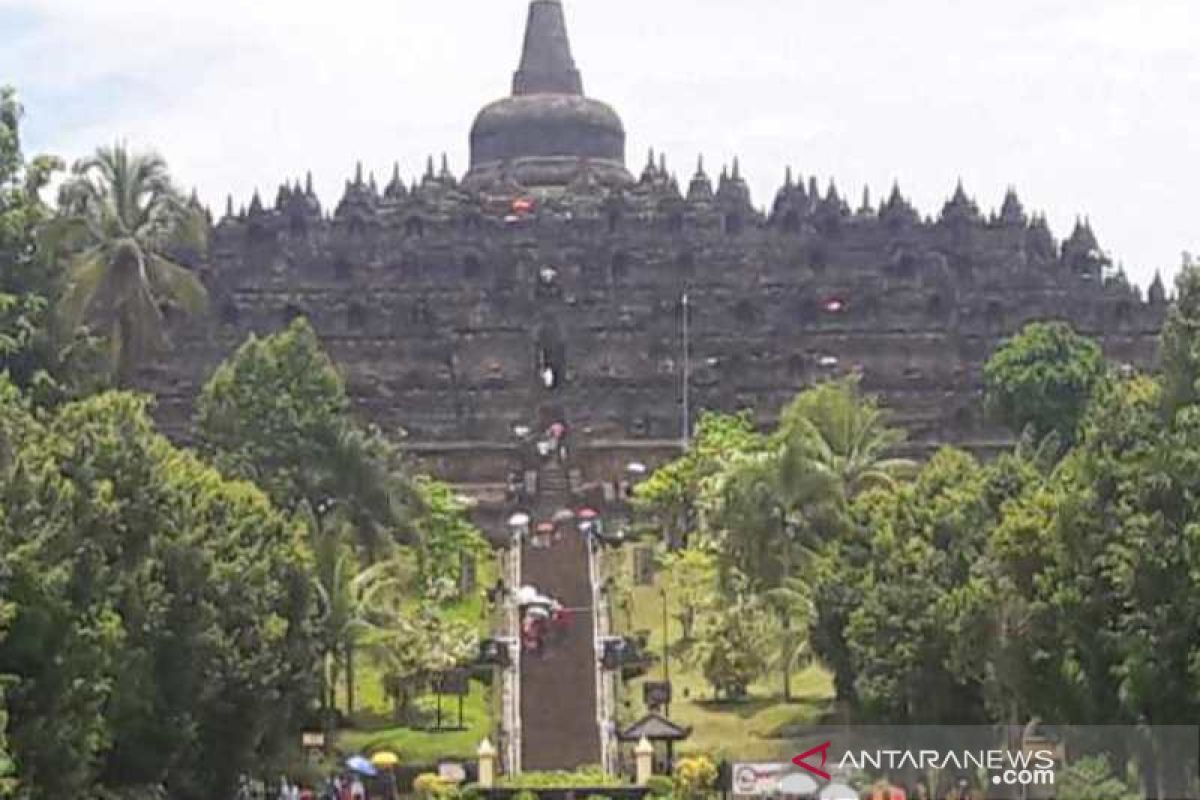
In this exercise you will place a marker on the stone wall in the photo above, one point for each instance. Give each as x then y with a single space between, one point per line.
443 306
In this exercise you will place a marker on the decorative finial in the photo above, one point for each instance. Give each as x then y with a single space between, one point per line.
358 174
228 205
787 178
737 171
308 183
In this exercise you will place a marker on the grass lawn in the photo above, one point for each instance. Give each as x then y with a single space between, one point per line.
751 729
375 728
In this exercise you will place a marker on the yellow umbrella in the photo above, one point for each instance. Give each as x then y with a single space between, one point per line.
385 758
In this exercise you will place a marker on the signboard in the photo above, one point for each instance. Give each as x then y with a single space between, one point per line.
313 741
656 694
453 682
757 779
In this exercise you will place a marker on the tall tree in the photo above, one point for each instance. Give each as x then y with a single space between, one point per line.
277 413
668 498
123 224
160 632
353 601
1043 379
835 437
923 540
52 368
1180 341
8 767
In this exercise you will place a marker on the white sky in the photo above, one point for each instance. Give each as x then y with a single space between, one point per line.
1086 106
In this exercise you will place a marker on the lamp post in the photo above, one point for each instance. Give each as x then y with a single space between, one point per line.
666 653
687 369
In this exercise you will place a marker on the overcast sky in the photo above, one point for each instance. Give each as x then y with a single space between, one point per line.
1087 107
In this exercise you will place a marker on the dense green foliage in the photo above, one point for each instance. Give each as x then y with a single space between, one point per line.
276 412
50 364
1181 341
159 625
388 547
586 777
1043 378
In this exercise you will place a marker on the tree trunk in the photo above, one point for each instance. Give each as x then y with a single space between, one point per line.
787 680
349 677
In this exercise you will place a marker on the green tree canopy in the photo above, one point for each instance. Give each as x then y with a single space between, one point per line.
277 413
160 622
1180 342
30 280
1043 379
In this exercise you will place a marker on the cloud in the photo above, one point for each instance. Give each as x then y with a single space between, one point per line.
1087 107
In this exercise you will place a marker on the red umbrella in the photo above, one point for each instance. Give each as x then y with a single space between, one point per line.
587 513
545 527
557 430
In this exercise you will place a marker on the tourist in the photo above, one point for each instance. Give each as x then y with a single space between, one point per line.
357 790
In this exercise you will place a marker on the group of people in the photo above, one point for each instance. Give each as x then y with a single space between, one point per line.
541 617
348 786
554 442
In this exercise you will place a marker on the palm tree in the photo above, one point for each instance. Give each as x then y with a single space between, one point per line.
832 437
122 223
352 601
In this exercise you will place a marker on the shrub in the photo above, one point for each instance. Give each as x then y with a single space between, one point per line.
694 778
660 786
431 785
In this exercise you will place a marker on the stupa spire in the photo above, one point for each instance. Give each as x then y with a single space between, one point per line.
546 63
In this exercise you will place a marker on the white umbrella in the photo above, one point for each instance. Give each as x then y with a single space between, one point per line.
519 520
797 784
838 791
526 595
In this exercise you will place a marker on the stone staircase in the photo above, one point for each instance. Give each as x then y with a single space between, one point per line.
558 685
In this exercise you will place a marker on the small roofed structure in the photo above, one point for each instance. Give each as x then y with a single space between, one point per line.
657 728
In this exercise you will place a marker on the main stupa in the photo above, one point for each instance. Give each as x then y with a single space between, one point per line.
540 137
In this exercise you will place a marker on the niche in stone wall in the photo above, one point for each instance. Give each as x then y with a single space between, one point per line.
620 267
686 262
614 221
994 313
791 222
675 222
229 313
550 355
797 365
414 226
356 226
342 270
746 312
904 266
1123 313
291 312
472 267
935 306
356 317
733 224
297 225
817 257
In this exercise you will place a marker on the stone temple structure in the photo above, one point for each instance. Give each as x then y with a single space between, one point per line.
549 282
